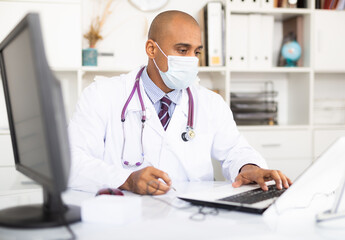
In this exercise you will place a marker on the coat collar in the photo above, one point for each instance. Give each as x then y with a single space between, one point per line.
134 104
181 109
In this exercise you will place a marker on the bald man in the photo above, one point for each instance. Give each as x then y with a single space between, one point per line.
121 138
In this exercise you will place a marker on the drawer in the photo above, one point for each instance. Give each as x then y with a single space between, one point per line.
324 138
6 151
292 168
281 144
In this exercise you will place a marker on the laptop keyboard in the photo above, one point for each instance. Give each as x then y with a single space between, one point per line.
255 195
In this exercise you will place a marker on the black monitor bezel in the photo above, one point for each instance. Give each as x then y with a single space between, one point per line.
59 178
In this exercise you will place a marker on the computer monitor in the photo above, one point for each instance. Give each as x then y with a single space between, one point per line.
37 125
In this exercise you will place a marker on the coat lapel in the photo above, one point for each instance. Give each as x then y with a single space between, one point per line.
180 116
152 120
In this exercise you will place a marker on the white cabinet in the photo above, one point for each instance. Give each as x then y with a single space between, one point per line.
323 138
329 40
289 150
283 144
291 168
329 99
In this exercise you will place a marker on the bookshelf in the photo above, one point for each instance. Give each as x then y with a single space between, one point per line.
278 13
274 70
299 87
321 77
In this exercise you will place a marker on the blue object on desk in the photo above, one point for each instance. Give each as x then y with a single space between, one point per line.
291 52
90 57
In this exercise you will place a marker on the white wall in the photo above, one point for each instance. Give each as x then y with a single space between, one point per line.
60 21
126 29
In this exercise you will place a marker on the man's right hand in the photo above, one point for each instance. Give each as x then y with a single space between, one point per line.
147 181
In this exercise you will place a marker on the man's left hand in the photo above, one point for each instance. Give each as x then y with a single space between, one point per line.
254 174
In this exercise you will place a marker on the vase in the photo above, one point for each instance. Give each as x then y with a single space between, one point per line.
90 57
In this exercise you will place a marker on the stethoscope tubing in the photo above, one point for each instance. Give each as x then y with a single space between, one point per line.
190 121
136 87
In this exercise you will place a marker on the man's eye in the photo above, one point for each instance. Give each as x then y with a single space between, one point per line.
182 51
197 54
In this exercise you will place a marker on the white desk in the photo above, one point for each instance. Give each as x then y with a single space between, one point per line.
160 221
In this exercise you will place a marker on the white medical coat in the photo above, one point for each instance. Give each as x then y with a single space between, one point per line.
96 137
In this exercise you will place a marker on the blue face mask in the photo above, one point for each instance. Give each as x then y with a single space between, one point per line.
182 71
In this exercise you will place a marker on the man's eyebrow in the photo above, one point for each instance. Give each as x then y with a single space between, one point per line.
182 45
187 45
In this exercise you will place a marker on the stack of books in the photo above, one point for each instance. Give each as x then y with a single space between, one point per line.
266 4
330 4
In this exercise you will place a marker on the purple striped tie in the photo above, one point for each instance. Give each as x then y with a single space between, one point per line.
164 114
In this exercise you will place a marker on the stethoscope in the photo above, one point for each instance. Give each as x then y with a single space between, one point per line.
189 134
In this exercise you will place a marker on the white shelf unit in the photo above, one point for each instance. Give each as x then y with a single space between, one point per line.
280 12
273 70
322 76
298 87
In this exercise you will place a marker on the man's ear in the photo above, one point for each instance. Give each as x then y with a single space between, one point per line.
150 49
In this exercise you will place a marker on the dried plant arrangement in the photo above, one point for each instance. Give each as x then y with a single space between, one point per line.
94 33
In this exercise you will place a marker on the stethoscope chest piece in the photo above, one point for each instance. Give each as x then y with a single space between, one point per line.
188 135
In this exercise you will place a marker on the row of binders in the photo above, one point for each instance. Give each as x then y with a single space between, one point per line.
330 4
249 47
